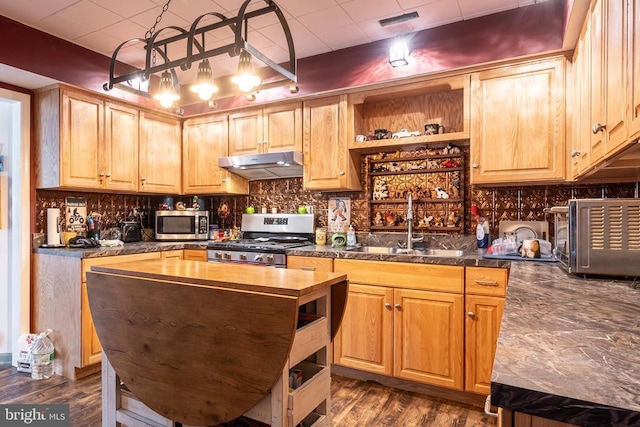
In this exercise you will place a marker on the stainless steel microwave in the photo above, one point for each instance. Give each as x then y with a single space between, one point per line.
182 225
599 236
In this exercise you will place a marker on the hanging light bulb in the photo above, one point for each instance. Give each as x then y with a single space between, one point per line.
204 85
166 94
398 54
246 78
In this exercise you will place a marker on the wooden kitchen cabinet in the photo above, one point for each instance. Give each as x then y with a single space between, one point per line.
69 139
205 140
60 302
633 69
328 163
173 254
485 290
310 263
518 123
160 154
266 130
580 146
121 147
403 320
195 255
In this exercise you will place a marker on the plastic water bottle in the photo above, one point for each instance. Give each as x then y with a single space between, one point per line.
351 237
42 357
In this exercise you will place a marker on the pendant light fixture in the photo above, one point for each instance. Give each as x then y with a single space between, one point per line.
204 86
166 93
246 78
194 40
399 53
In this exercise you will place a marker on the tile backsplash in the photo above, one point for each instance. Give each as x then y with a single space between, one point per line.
524 203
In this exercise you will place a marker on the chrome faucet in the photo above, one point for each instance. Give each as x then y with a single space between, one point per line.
410 238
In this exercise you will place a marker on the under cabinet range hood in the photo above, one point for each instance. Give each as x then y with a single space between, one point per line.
286 164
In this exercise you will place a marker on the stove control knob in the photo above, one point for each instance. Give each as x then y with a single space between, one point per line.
258 257
243 257
218 255
227 255
270 259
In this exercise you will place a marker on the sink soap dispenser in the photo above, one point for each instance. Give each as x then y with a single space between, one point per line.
351 236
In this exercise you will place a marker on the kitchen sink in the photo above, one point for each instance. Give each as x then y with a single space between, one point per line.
399 251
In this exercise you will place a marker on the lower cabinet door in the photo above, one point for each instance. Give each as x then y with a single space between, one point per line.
91 347
365 338
484 315
428 332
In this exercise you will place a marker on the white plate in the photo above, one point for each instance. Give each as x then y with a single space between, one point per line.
525 233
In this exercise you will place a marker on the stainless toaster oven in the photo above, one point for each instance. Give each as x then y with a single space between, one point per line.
599 236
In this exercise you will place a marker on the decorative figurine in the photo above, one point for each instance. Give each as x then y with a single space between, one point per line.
441 194
405 133
380 190
452 220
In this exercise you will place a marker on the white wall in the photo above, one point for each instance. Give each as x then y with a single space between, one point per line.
15 237
5 133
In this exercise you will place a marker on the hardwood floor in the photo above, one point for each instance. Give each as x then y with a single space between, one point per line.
354 402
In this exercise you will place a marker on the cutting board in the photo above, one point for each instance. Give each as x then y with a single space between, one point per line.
516 257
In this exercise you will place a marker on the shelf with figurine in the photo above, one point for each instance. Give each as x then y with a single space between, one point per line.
421 112
435 179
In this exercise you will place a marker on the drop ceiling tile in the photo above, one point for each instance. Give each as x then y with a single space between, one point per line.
125 30
89 15
126 8
100 42
435 14
132 55
52 5
148 18
344 37
309 46
326 20
274 53
23 11
63 28
363 10
412 4
299 8
474 8
189 10
229 5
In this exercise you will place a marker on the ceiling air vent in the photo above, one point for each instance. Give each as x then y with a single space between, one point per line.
597 227
398 19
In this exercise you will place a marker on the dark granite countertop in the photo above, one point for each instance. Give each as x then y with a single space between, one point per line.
127 248
569 348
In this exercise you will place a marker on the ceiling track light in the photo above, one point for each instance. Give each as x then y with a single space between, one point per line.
247 79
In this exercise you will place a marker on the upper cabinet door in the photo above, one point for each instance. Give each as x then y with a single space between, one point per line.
328 164
160 154
633 60
205 140
616 74
518 123
245 133
282 128
81 141
121 147
598 108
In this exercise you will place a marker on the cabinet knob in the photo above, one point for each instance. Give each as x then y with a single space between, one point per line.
475 166
398 306
143 179
341 173
598 127
108 175
101 174
471 314
387 306
259 143
224 180
575 153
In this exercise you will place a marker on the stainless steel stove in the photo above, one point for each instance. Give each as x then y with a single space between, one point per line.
266 239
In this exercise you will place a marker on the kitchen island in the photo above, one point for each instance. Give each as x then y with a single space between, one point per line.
203 343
